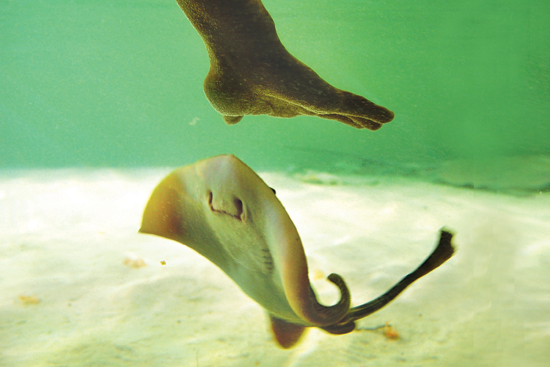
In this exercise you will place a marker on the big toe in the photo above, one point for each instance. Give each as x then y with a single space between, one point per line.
384 115
357 106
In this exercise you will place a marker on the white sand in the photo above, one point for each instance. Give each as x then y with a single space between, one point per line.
66 234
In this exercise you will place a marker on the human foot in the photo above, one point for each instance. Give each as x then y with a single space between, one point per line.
251 72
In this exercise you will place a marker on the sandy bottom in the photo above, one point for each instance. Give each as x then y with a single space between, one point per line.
80 287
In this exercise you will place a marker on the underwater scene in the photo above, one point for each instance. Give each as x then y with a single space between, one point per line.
274 183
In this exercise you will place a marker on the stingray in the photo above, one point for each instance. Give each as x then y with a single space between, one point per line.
223 210
252 73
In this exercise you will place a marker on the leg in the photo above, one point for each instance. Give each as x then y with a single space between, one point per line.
251 72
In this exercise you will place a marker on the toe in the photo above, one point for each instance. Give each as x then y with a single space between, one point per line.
344 119
384 115
366 123
360 107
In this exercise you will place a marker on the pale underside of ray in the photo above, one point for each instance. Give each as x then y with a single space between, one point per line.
223 210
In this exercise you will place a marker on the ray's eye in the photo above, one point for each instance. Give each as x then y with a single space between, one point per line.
272 189
239 206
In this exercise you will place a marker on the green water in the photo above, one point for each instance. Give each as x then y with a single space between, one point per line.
119 83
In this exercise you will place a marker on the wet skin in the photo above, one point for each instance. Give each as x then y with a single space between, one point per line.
251 72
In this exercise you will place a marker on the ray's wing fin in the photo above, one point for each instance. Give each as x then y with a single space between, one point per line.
285 333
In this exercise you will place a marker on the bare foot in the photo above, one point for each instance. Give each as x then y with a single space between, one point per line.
251 72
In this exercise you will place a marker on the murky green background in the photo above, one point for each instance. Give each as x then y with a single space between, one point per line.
119 83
